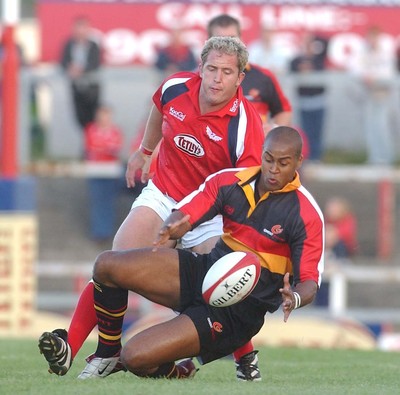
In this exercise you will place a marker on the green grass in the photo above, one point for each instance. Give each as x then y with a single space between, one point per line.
285 371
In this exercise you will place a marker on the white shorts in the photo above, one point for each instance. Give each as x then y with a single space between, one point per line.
162 204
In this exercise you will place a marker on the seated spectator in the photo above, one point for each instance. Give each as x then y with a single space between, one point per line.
103 143
341 228
341 239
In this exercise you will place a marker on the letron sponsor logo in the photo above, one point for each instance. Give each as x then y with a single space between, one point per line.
189 145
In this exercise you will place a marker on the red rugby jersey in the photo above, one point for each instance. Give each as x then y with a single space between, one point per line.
195 146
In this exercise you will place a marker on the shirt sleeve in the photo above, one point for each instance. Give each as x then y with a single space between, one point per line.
206 202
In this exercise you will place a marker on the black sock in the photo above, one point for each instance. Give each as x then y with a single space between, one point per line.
110 305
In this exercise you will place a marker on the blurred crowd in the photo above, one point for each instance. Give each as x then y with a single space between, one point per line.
373 70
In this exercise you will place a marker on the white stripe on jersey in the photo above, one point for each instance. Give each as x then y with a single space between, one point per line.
173 81
310 198
241 131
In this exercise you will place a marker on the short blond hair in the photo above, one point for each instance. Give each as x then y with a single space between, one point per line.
226 45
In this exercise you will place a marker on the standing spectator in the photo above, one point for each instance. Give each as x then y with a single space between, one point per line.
311 97
81 60
260 86
176 56
375 68
268 52
103 143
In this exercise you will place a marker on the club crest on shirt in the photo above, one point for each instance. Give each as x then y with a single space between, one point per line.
189 144
276 229
177 114
212 135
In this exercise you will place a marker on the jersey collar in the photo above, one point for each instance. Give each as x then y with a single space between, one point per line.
232 107
249 174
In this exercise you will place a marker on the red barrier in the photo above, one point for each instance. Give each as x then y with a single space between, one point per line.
8 146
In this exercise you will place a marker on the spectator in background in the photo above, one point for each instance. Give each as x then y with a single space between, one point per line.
176 56
103 143
341 228
81 60
269 53
311 96
375 68
341 240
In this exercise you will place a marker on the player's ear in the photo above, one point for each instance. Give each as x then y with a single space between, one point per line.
241 78
201 69
299 161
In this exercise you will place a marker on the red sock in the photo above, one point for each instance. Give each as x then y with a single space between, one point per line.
248 347
83 320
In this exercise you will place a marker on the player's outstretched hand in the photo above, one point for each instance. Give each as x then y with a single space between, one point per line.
138 160
172 230
287 297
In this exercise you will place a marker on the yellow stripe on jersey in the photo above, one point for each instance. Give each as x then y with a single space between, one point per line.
274 263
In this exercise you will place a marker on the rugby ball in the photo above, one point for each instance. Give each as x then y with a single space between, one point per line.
231 279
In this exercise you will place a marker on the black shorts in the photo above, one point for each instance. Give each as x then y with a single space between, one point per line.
222 330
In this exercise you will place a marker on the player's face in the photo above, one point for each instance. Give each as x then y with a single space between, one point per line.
278 167
220 80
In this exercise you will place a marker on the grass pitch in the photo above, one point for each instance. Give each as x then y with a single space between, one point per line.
285 370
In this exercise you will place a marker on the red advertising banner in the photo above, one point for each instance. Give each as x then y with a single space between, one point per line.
130 31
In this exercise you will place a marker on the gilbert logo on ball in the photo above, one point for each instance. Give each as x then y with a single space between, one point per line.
231 279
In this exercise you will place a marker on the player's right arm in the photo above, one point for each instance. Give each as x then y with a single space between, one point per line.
174 227
140 159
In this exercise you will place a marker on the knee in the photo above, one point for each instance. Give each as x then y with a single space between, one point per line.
135 362
102 266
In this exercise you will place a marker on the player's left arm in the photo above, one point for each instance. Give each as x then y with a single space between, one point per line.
298 296
307 255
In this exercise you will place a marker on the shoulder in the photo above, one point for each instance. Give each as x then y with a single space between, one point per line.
226 176
308 204
179 79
